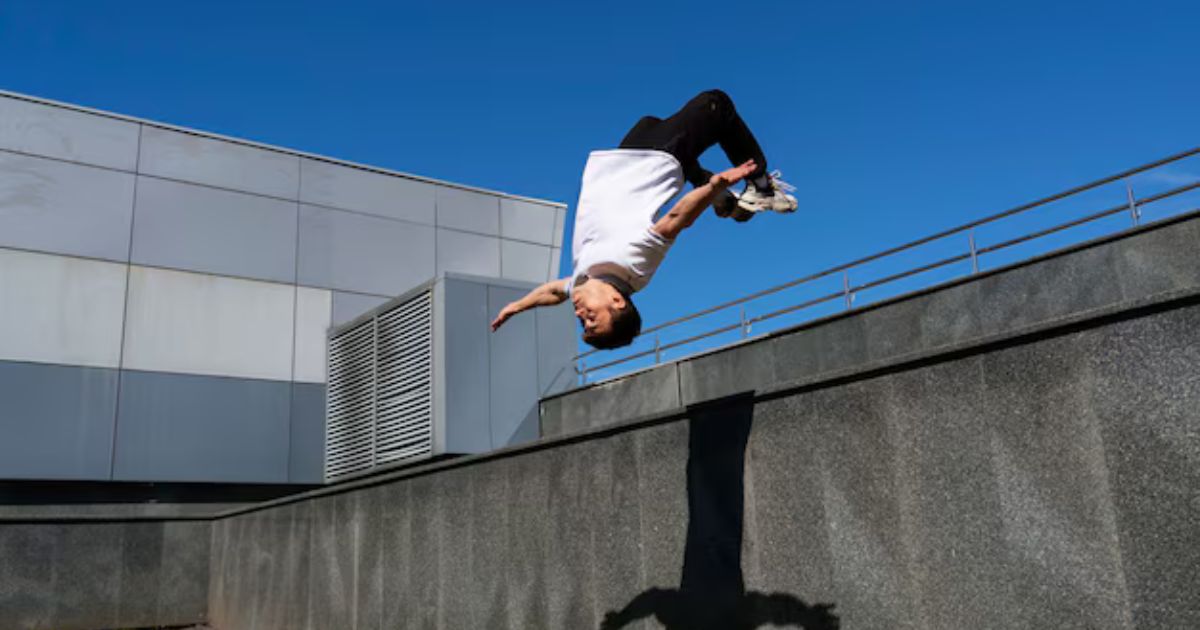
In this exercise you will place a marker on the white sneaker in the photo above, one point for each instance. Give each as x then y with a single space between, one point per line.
776 199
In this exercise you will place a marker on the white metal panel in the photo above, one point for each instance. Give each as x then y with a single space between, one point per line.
56 309
522 261
52 206
200 324
193 158
314 310
526 221
67 134
380 194
560 226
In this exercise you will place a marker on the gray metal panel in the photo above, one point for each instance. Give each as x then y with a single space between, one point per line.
465 321
467 253
466 210
306 457
560 226
366 191
527 221
205 229
342 250
222 163
56 421
64 208
556 346
347 306
556 271
174 427
514 369
61 133
522 261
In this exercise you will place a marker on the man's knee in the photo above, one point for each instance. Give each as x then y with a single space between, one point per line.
717 99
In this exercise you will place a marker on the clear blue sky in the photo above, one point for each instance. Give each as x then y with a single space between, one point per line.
895 119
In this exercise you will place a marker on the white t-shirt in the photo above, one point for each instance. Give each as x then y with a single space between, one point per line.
622 191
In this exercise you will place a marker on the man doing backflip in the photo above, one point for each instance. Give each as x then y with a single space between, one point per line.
620 239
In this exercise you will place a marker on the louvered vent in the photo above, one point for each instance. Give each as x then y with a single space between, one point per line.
404 397
380 400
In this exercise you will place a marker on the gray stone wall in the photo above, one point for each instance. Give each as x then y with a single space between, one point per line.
99 574
1042 476
1044 480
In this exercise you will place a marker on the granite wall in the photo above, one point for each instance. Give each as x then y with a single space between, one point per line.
97 573
1044 475
1044 479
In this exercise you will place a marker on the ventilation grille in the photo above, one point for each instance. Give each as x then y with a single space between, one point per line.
380 401
404 396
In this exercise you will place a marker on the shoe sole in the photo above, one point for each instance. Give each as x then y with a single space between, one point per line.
756 209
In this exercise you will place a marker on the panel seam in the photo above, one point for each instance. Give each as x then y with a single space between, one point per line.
295 321
116 424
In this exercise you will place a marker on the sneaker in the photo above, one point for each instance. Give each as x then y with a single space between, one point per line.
775 199
742 216
725 204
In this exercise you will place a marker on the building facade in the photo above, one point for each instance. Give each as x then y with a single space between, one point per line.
165 293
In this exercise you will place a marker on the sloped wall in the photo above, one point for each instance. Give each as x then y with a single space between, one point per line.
1048 479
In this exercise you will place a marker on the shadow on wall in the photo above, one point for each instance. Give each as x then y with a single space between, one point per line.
712 591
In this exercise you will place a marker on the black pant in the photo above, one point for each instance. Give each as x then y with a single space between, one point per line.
707 119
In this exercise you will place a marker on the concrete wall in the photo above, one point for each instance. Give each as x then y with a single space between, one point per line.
101 574
1042 478
164 293
1046 476
1109 273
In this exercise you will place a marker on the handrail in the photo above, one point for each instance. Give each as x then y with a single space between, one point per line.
1133 206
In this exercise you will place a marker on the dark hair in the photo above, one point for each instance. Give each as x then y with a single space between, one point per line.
626 324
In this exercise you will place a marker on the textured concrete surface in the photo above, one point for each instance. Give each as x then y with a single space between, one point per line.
99 575
1049 480
631 396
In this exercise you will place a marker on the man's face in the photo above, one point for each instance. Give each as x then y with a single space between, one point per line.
593 302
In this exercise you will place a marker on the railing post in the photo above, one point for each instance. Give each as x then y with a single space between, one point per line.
657 350
846 289
974 252
581 369
1135 212
745 325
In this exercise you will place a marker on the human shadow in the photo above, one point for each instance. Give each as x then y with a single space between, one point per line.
712 591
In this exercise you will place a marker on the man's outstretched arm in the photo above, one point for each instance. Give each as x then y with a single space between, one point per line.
549 294
692 205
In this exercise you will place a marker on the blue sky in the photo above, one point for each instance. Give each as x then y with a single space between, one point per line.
895 119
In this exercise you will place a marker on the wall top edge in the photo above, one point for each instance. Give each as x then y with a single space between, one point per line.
269 147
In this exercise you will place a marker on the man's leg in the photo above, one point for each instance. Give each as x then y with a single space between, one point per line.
651 133
710 118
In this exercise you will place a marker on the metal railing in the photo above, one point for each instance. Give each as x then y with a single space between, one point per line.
972 251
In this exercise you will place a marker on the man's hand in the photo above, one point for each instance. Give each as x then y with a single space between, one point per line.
549 294
725 179
508 311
